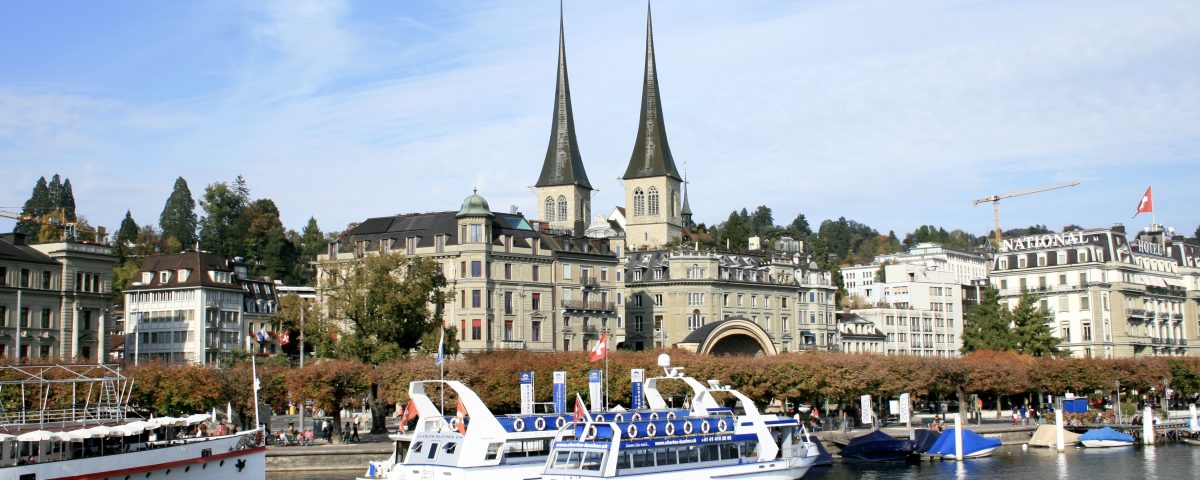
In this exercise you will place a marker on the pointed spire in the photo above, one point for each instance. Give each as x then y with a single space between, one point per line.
563 165
686 211
651 153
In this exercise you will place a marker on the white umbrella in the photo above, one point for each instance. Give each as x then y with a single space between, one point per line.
197 418
37 436
5 437
100 431
77 435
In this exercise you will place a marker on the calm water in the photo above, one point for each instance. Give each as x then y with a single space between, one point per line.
1168 462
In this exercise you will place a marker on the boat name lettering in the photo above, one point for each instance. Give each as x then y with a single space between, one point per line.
1042 241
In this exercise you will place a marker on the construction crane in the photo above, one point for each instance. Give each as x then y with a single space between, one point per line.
995 199
70 229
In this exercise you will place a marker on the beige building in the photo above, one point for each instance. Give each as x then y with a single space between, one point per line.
54 298
1108 296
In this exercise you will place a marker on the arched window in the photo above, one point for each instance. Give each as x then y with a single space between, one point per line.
674 202
653 201
549 209
562 208
639 202
695 321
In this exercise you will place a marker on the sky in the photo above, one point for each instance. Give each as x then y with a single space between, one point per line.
893 114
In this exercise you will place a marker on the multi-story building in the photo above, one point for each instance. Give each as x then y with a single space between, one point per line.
969 269
194 307
919 309
54 298
1107 296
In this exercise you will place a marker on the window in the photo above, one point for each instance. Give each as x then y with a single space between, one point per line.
695 320
658 299
476 269
562 208
476 329
695 299
637 323
1022 261
508 303
439 243
45 318
1087 332
535 330
637 299
537 301
549 209
46 280
476 233
658 274
508 330
537 272
3 317
3 276
508 271
475 298
739 298
1084 302
1061 258
783 302
639 202
653 196
603 274
566 270
24 318
637 275
24 278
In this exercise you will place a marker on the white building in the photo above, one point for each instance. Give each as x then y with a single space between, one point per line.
920 310
967 268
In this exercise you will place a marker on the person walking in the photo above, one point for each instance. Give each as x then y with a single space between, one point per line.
327 430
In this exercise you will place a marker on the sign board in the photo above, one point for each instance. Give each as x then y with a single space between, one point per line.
526 393
1037 242
636 377
560 392
865 401
595 381
893 407
905 409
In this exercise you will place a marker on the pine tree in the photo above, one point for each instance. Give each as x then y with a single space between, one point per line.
734 232
266 241
1032 332
37 206
985 326
126 238
67 201
799 228
178 218
56 192
223 227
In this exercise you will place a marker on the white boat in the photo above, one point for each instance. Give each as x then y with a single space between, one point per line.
1105 438
749 445
93 437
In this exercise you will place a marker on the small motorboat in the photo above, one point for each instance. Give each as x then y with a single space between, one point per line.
878 446
925 438
1105 437
1046 437
974 445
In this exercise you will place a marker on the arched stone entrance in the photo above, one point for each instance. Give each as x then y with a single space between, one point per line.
733 336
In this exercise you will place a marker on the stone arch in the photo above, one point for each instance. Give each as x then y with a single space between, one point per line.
734 336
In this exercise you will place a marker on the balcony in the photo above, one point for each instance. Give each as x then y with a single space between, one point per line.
512 344
589 281
806 347
1135 312
1139 340
1177 316
1183 341
590 305
1156 341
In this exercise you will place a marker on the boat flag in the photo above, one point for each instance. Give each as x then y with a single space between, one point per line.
441 355
1146 205
461 419
410 412
580 411
600 350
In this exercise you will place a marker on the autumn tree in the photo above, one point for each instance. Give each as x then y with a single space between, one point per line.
330 383
178 218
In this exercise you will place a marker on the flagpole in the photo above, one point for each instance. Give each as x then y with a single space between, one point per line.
441 361
606 340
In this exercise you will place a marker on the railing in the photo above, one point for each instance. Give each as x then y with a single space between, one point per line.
589 305
1139 340
512 344
1177 316
806 347
1156 341
1135 312
589 281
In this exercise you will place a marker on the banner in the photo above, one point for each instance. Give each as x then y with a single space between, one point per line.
635 380
595 379
560 392
866 408
905 412
526 393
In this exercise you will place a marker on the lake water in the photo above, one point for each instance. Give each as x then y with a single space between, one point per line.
1168 462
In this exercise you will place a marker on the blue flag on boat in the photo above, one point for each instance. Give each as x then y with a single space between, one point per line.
441 356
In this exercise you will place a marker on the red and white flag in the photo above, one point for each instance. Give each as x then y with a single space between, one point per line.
581 412
600 350
461 419
409 413
1146 205
285 339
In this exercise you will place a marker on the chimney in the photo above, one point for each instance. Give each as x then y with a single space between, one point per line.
1118 227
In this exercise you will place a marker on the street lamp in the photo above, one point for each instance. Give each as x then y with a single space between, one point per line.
1118 385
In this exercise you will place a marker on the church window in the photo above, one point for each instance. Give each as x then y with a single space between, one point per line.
639 202
549 209
653 194
562 208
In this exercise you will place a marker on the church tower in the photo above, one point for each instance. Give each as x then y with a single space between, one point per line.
564 195
652 182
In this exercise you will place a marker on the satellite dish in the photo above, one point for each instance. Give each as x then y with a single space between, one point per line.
664 360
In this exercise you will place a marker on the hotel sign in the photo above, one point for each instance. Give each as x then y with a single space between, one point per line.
1151 248
1037 242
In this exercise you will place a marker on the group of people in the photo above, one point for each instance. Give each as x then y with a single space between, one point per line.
1026 415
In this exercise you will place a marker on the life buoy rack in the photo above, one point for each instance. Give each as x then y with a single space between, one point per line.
705 427
562 422
722 426
619 418
651 430
688 428
631 431
653 416
519 425
669 429
540 423
637 417
670 415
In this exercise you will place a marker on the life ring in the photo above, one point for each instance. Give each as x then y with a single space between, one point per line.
560 422
705 427
653 416
669 429
540 423
637 417
631 431
454 423
670 415
619 418
651 430
721 426
599 418
519 424
688 428
590 433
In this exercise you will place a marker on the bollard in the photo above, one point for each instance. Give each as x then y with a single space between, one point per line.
1148 427
958 446
1058 428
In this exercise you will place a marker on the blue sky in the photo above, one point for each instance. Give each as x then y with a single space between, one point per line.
893 114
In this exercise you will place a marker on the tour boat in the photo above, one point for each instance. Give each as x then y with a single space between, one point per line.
1105 437
701 445
92 436
974 445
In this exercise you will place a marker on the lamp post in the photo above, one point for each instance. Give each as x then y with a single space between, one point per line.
1118 385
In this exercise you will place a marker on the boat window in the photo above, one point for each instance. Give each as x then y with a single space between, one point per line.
689 454
493 451
591 461
710 453
432 451
664 457
574 460
642 458
748 449
560 460
417 447
729 450
623 460
450 447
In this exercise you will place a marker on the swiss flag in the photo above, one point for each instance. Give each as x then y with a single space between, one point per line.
285 339
461 417
600 350
580 411
409 413
1146 205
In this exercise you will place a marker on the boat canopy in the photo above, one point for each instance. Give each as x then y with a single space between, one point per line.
1106 433
1045 437
972 442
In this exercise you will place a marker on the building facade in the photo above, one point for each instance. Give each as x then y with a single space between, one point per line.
54 298
1105 295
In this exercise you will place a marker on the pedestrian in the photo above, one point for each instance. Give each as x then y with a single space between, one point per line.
1024 415
346 433
1033 414
354 433
327 430
1016 415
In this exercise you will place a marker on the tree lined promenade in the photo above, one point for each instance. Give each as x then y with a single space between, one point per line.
1000 378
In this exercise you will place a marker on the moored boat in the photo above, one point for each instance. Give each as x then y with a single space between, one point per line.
878 446
974 445
1046 437
1105 437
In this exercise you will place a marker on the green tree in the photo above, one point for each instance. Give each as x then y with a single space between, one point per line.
266 244
178 217
762 221
1032 333
126 239
223 229
35 208
310 243
986 326
55 190
734 233
799 228
1197 234
67 200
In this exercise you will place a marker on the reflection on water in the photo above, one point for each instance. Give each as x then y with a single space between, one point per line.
1010 462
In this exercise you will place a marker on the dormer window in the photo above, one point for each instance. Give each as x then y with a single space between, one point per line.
164 276
147 277
183 274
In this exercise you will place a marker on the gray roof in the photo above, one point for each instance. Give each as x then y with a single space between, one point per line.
14 249
651 154
564 164
426 226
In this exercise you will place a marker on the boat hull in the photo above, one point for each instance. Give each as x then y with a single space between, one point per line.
1106 443
777 470
976 454
445 472
219 458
